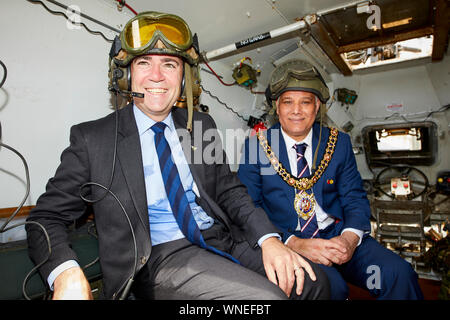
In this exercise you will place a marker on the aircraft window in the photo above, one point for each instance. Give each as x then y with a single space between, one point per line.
406 50
399 139
412 143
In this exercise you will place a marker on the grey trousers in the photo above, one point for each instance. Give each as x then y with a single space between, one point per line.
181 270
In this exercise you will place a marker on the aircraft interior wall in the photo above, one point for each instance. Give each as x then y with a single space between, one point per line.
418 89
62 81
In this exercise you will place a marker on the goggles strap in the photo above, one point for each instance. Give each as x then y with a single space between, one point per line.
189 94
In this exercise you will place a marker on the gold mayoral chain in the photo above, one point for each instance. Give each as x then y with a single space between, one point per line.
304 203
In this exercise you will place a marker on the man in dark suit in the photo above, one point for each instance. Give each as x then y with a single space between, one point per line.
173 222
324 212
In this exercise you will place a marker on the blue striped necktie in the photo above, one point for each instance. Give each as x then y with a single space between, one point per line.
308 228
176 193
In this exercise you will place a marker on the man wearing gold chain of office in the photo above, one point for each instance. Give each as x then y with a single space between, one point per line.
305 177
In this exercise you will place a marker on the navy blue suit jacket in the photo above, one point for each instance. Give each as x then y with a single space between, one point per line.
339 191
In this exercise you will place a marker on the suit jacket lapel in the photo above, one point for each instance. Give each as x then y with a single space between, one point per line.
318 187
190 143
129 154
279 148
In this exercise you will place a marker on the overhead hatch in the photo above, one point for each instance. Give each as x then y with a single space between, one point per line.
367 27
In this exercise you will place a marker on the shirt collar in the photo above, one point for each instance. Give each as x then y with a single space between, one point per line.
291 142
144 122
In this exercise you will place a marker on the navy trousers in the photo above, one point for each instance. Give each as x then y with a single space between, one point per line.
382 272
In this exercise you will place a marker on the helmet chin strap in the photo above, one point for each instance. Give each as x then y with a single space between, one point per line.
189 95
322 111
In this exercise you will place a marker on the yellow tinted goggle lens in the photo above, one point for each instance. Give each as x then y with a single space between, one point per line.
140 32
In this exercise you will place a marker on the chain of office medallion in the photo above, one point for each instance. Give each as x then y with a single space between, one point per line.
302 183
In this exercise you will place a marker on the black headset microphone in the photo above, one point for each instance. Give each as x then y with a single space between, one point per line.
116 75
117 72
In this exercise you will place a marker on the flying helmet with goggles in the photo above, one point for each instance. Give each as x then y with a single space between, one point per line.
158 33
296 75
154 33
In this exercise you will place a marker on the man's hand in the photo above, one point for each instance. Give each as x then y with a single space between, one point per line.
283 266
321 251
349 240
72 284
337 250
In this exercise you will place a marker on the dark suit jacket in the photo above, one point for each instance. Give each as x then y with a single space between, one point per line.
339 191
89 158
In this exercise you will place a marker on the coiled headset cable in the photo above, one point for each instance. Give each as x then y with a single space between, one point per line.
126 286
3 228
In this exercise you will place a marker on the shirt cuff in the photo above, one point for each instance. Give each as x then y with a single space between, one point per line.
59 269
287 240
269 235
359 233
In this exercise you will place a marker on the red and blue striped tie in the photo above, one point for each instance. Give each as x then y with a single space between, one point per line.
177 195
308 228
